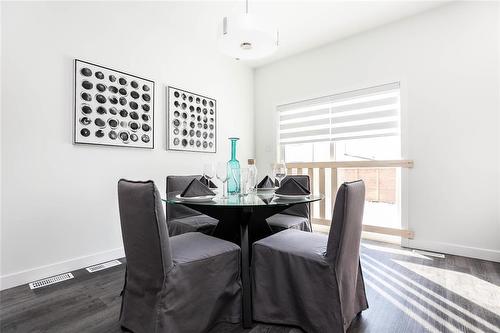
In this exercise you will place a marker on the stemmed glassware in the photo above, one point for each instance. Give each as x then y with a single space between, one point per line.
279 171
209 171
222 175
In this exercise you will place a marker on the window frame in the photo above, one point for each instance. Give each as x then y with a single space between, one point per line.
404 99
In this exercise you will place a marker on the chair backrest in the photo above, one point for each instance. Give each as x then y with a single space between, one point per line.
302 210
345 237
345 233
178 184
145 234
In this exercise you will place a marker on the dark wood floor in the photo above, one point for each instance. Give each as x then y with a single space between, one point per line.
407 292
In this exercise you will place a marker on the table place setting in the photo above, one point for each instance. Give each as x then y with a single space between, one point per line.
291 189
240 185
266 185
204 190
197 191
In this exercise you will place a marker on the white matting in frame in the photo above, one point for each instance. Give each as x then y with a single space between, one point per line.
192 121
112 108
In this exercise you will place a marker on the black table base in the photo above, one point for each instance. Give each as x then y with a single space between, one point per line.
242 225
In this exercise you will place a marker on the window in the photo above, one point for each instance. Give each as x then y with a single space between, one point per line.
361 125
357 125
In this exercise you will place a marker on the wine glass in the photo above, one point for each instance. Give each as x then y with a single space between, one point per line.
209 171
222 175
279 171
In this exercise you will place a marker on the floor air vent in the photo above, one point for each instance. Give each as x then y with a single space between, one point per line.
51 280
104 265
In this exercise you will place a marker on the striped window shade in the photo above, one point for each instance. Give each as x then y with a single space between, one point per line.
364 113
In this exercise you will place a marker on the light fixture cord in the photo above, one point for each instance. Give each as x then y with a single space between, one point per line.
246 7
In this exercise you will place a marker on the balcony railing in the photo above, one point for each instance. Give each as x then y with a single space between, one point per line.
380 182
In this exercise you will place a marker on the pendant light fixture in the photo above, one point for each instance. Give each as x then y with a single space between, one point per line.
245 37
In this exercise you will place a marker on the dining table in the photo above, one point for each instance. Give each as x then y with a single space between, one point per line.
242 220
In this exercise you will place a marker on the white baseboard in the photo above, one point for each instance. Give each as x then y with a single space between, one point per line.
459 250
37 273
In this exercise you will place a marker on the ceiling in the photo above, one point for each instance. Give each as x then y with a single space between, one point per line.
305 25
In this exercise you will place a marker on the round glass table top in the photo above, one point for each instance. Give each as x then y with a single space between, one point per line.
238 200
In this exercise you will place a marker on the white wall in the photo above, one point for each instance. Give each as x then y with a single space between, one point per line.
60 201
1 154
447 60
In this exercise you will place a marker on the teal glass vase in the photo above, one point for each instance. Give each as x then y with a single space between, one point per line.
233 170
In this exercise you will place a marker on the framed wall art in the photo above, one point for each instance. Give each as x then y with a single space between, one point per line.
192 121
112 108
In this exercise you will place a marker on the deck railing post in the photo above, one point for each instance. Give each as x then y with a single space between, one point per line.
322 191
334 186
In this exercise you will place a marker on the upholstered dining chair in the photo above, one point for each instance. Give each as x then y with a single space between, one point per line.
296 217
181 219
185 283
311 280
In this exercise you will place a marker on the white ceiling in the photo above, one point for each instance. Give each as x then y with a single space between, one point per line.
305 25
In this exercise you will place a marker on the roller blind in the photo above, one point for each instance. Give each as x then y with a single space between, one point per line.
364 113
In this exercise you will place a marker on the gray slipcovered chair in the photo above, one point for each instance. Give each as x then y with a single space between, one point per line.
311 280
185 283
296 217
181 219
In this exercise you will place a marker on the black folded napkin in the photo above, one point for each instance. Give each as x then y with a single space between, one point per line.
267 182
207 182
276 182
292 187
196 189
